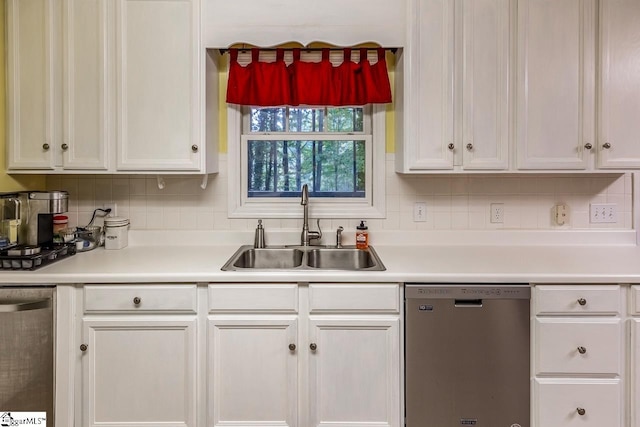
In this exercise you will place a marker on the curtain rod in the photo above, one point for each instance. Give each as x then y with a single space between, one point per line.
307 49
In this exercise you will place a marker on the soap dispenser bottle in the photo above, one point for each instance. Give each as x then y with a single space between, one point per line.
362 236
258 241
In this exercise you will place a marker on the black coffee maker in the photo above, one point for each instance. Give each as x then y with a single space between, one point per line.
37 211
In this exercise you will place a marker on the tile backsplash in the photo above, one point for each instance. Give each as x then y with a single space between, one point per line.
454 202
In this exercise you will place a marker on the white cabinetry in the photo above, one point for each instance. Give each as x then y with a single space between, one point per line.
107 87
453 100
555 83
31 108
159 85
286 355
578 359
635 356
138 355
619 96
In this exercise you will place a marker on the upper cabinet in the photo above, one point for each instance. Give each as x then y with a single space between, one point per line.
555 83
107 87
452 99
30 84
519 85
619 100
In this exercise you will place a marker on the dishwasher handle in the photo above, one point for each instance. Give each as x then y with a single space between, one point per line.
11 307
467 303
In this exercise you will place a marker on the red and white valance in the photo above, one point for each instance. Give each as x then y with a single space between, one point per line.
311 83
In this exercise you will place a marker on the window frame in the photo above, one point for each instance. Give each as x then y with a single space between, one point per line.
369 207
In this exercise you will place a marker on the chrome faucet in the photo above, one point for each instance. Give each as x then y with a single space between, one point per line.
339 237
307 235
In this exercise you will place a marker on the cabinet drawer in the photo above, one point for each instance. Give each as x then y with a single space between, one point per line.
357 298
578 346
635 300
140 298
271 298
559 403
567 299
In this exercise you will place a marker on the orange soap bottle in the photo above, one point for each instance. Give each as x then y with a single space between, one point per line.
362 236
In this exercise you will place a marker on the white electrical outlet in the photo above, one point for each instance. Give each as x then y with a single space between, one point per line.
603 212
419 212
497 213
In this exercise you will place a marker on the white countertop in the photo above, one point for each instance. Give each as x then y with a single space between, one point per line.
600 259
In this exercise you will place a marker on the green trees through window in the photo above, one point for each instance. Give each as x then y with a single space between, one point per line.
314 146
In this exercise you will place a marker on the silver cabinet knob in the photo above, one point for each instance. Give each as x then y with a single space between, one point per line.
582 301
292 347
588 146
313 346
451 146
581 411
194 148
606 145
45 146
83 347
469 146
137 300
582 350
65 146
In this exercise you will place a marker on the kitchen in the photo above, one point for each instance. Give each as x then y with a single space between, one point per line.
457 226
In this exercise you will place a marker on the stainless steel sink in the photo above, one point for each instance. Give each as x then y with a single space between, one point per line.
312 258
341 259
282 258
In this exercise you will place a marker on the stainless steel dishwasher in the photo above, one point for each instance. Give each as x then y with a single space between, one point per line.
467 355
26 351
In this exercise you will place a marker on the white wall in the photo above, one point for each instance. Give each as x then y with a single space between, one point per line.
456 202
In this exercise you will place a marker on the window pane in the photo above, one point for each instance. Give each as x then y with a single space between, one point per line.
345 120
268 119
330 168
306 119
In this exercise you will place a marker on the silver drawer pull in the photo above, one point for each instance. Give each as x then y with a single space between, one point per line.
83 347
313 346
292 347
581 411
137 300
582 301
582 350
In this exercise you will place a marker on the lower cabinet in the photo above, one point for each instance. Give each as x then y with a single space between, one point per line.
253 372
329 357
635 371
138 356
579 354
353 372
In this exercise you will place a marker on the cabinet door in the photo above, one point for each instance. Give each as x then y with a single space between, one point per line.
139 372
30 84
354 372
635 372
555 83
87 120
158 84
619 107
427 113
252 371
485 84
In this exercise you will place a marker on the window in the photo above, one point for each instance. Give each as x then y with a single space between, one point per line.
325 148
339 152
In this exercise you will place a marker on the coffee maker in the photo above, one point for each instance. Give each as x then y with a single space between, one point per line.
37 211
9 219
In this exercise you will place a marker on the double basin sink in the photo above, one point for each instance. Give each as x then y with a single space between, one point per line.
346 258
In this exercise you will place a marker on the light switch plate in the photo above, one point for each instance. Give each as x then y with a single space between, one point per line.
603 213
420 212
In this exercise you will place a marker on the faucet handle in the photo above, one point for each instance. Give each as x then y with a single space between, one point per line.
319 230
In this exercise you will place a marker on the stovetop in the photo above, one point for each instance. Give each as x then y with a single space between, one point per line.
33 261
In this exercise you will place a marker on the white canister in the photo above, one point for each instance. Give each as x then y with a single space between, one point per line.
116 232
